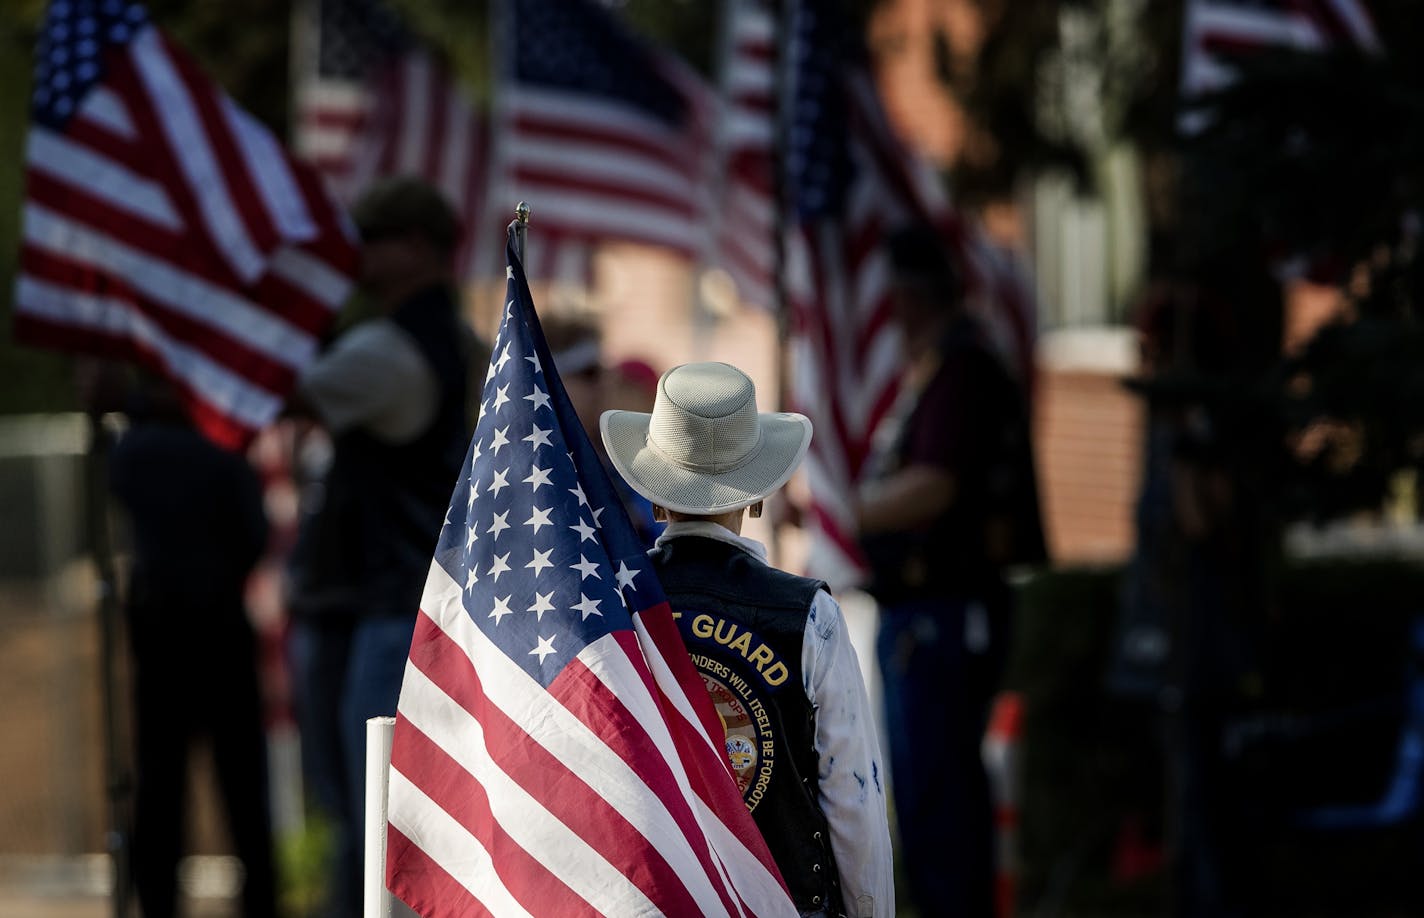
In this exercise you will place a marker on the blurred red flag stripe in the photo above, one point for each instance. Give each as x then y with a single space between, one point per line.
164 224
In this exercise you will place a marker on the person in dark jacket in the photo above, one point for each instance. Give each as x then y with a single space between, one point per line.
198 529
391 394
771 647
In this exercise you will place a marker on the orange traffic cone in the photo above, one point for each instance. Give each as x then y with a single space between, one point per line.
1000 751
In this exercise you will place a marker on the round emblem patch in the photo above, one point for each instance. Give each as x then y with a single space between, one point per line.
749 742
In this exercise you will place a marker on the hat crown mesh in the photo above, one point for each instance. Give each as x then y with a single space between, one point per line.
705 418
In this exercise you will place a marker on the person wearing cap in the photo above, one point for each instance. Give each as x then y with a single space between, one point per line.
771 647
391 393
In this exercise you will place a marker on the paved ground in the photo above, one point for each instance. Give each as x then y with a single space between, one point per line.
78 887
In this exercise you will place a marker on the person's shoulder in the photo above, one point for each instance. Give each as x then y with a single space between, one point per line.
784 582
372 336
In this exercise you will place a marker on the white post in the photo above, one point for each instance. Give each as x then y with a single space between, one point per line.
379 731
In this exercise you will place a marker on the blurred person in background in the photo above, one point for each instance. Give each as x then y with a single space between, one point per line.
198 529
392 395
951 504
577 345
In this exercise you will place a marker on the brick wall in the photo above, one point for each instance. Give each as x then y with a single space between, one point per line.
1088 432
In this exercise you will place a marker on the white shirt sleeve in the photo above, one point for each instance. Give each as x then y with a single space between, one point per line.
852 777
374 378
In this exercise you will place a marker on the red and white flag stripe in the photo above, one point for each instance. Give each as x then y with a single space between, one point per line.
1216 30
746 213
164 224
601 171
550 841
412 118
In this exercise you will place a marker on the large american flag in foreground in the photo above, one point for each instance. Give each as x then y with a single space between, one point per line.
851 184
608 135
379 103
555 752
164 224
1216 31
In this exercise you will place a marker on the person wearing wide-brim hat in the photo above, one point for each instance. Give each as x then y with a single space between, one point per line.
771 646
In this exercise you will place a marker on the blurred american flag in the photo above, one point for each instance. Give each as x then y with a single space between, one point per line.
851 183
746 209
607 137
379 102
1215 31
165 225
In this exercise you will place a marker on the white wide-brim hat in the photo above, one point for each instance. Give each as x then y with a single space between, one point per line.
705 449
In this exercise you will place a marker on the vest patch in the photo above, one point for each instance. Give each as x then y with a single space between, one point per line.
750 740
734 637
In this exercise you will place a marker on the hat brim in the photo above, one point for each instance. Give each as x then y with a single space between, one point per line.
785 438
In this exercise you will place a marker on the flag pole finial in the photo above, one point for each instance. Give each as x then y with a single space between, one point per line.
520 228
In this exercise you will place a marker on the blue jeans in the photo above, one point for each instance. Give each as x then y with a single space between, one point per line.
346 669
941 661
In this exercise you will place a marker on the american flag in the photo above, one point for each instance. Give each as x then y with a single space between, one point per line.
380 103
564 766
163 224
850 184
1216 31
609 136
746 211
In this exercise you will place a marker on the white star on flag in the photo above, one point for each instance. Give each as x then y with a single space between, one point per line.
501 609
586 569
538 477
585 531
587 606
542 604
498 524
541 561
540 518
539 437
500 566
540 398
544 647
625 575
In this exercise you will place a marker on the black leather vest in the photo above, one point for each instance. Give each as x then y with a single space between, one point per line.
368 547
744 624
